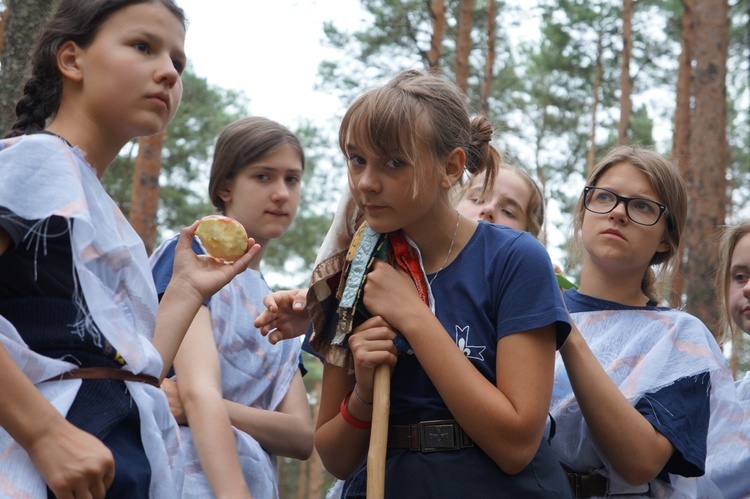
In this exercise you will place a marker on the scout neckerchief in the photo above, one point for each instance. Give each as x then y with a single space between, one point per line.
330 337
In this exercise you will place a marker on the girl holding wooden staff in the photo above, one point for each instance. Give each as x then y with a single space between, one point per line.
467 315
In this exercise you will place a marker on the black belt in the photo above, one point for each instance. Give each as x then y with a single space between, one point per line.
587 485
429 436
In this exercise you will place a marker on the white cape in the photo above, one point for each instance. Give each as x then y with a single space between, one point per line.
41 176
657 349
254 373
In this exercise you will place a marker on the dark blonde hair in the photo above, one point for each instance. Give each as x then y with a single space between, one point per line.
730 236
534 212
669 185
243 142
415 110
535 209
77 21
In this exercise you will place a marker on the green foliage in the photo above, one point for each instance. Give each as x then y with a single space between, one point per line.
542 94
641 130
398 37
559 77
641 127
738 107
743 355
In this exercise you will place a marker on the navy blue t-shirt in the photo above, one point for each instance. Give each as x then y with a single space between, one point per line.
501 283
162 270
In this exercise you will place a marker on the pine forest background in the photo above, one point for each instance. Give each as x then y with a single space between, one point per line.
562 80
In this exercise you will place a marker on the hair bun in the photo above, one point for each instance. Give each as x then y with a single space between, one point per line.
479 145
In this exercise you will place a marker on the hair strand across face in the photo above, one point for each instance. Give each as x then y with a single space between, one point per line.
416 113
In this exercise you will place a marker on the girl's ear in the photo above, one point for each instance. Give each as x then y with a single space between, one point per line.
224 193
663 244
454 168
67 61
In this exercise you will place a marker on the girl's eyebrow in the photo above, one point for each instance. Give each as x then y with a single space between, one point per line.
512 202
151 36
268 168
737 268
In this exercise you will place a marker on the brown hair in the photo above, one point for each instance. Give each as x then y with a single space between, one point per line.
243 142
731 235
419 109
535 209
77 21
670 187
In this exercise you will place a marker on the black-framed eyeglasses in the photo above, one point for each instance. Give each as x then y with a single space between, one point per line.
640 210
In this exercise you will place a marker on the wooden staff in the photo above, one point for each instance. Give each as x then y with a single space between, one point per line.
381 406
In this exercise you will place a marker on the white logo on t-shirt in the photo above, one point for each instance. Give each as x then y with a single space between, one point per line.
462 340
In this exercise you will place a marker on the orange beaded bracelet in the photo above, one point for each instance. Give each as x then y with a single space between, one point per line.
351 420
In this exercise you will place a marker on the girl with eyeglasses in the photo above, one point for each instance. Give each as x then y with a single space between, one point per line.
635 382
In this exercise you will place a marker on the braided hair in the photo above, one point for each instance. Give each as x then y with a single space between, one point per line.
77 21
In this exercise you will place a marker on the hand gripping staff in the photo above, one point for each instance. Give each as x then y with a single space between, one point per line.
336 306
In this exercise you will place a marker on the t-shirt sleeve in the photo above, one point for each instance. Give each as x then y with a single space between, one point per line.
681 413
161 268
529 296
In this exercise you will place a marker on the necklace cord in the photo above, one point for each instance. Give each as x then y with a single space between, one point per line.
450 250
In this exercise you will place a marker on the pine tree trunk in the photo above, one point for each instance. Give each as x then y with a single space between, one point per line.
280 475
708 156
463 44
626 84
25 19
315 478
144 199
315 466
489 73
3 21
301 479
591 159
438 32
681 139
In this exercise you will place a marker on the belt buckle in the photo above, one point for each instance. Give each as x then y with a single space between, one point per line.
575 482
439 435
